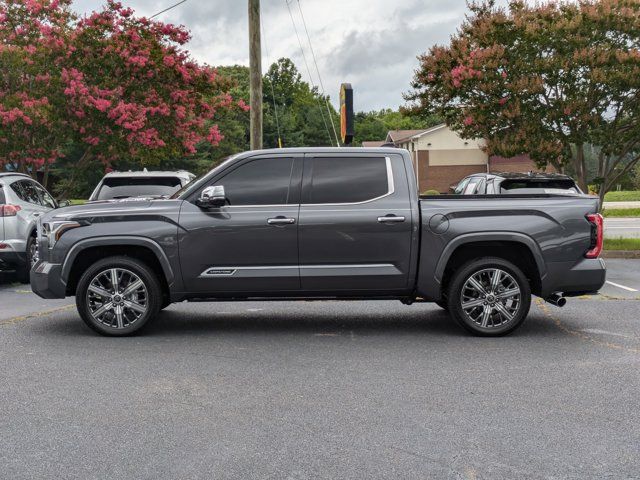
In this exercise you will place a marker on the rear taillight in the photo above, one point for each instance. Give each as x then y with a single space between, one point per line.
9 210
597 235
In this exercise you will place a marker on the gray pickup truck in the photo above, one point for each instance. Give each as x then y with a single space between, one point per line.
320 223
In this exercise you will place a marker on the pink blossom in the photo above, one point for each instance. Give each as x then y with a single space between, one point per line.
169 60
468 120
214 137
243 106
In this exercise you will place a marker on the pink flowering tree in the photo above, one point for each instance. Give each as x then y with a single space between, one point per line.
555 80
33 43
115 86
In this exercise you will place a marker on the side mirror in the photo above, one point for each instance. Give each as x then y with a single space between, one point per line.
64 203
212 197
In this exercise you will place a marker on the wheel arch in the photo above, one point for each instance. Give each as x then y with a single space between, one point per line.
521 250
88 251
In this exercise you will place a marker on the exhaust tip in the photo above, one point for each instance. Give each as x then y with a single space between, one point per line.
557 300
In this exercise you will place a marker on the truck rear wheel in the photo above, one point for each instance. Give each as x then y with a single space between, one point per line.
489 297
117 296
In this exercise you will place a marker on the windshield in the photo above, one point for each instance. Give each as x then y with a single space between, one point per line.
125 187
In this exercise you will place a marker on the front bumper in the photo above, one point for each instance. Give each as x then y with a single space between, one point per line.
46 280
585 277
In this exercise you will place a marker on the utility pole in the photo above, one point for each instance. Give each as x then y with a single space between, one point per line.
255 75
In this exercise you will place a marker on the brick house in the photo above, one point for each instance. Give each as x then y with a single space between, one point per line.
441 158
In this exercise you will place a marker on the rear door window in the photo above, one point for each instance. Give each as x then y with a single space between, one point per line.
348 179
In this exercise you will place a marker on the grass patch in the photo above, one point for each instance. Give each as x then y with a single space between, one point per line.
77 202
622 243
621 212
623 196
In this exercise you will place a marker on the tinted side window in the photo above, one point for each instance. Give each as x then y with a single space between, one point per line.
47 200
348 180
26 191
470 189
461 186
259 182
2 199
17 189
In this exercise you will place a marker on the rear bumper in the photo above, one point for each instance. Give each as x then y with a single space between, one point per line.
46 280
585 277
12 260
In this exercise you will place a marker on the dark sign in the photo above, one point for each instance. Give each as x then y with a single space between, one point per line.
346 113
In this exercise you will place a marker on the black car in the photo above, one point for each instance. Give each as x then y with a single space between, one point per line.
516 183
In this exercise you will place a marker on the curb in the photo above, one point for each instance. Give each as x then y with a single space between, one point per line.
620 254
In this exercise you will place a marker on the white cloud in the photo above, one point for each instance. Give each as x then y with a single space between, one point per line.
372 44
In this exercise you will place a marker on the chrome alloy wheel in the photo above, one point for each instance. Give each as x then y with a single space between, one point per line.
117 298
490 298
34 253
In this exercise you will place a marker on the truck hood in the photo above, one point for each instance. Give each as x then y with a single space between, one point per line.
109 208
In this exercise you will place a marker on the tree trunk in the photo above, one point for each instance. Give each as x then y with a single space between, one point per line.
80 163
45 177
601 194
580 168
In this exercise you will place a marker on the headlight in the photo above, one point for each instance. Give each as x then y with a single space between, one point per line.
54 230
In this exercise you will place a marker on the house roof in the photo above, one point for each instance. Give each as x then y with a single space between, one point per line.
373 143
396 136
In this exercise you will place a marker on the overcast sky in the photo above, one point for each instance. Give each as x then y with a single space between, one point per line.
370 43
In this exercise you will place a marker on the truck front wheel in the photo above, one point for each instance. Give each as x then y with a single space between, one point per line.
489 297
118 295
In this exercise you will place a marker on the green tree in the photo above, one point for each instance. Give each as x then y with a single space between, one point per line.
375 125
546 80
302 111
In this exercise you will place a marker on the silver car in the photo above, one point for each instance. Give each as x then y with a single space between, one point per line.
22 201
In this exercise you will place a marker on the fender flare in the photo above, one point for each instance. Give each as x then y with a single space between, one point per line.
120 241
515 237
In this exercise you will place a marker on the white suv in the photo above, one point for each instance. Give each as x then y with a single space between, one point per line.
22 201
121 185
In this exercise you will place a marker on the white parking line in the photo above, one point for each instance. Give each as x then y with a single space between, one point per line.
629 289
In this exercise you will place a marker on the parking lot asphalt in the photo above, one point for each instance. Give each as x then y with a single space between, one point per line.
325 390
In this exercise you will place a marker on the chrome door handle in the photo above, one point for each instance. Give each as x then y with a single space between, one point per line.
281 221
391 219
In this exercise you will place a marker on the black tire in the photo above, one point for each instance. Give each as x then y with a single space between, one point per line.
505 314
25 271
443 304
148 295
165 302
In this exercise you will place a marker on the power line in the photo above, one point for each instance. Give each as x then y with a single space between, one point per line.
273 92
313 54
167 9
304 57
